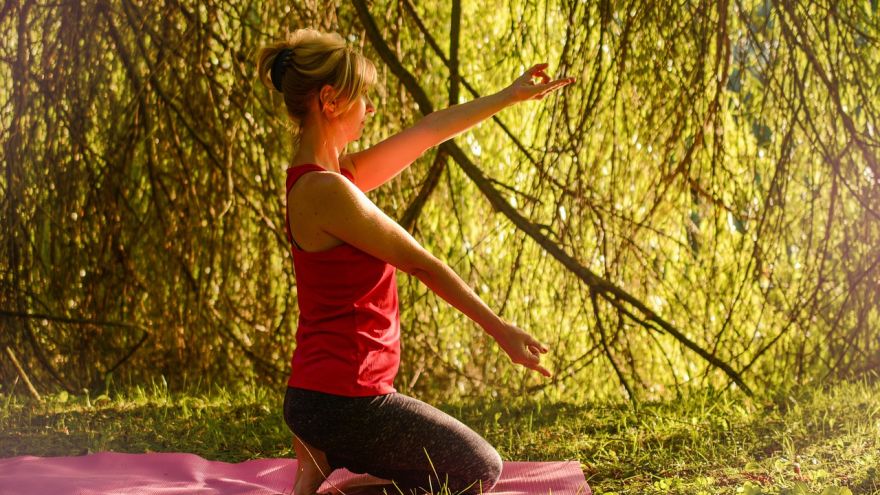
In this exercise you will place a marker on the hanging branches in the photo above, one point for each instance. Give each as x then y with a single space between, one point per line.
613 294
721 81
711 181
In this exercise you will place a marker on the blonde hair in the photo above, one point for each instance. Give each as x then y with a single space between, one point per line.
313 60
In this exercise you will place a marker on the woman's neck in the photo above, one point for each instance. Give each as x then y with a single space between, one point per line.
317 146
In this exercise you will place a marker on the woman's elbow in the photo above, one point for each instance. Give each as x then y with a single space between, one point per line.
420 265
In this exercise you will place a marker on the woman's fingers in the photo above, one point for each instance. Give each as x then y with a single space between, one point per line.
543 75
523 349
534 84
537 71
535 350
548 87
537 347
537 68
542 370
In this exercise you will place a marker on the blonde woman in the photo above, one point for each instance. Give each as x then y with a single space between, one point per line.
341 403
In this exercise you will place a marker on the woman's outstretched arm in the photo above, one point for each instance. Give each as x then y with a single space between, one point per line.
382 162
354 219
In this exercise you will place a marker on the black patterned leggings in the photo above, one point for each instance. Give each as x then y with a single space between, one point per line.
388 436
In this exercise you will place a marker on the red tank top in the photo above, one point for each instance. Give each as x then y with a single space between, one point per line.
348 336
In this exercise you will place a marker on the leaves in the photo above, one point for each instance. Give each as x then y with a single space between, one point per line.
734 81
798 488
762 133
144 183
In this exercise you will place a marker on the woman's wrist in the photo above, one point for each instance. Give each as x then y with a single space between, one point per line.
508 97
497 328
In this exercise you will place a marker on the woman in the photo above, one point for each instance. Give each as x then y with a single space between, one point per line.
341 403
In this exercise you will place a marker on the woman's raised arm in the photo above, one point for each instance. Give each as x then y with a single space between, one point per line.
382 162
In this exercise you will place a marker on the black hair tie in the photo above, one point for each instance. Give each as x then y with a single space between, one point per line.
278 66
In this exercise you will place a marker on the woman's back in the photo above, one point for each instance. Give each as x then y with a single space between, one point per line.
348 334
304 222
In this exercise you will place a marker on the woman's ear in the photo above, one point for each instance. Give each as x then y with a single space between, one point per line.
326 99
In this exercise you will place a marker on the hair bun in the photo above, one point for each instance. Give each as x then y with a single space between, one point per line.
305 61
278 68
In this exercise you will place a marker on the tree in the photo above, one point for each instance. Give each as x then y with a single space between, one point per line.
707 192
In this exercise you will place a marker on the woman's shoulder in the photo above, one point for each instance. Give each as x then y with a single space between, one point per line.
323 187
309 173
346 169
324 179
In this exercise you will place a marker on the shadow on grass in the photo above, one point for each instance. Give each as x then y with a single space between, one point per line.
230 433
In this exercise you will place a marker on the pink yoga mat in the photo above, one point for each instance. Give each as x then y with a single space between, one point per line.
171 474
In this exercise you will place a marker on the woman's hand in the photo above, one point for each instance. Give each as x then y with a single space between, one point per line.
521 347
525 87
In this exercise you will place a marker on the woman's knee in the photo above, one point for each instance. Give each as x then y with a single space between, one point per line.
482 475
492 471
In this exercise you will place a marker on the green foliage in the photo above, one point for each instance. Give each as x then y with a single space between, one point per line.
716 161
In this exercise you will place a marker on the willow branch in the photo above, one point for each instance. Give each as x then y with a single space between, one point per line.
602 287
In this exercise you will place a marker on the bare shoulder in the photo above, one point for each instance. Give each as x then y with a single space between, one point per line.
314 177
338 208
311 204
319 181
323 183
325 189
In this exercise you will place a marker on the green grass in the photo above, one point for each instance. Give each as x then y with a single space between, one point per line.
805 442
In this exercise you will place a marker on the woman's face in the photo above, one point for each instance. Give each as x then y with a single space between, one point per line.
352 121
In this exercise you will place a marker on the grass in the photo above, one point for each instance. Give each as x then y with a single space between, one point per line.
804 442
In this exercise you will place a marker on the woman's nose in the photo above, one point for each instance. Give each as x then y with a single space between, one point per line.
370 107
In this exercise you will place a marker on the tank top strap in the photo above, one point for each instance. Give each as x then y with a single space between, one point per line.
293 174
347 174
